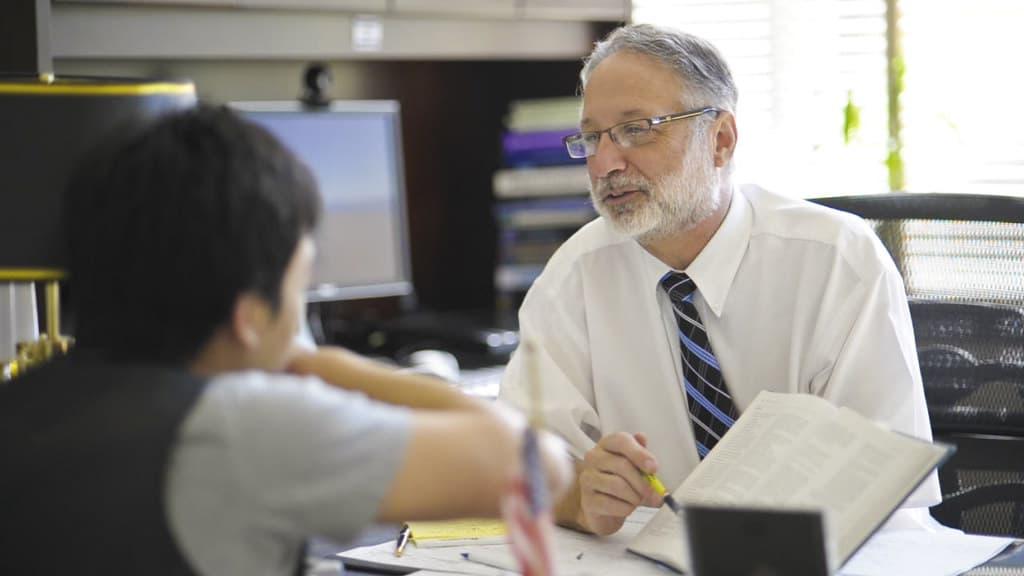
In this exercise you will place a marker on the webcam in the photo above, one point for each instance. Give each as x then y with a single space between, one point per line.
316 81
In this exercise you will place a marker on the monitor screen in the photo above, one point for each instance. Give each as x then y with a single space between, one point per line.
354 150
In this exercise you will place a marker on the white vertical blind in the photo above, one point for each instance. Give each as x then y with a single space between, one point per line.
796 64
964 97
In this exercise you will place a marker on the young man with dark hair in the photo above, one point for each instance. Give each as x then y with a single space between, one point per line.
187 433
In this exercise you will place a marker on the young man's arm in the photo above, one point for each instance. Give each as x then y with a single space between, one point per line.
344 369
458 464
462 452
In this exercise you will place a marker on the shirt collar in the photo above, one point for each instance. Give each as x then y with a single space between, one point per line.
714 269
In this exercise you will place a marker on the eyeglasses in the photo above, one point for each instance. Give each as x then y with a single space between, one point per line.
627 134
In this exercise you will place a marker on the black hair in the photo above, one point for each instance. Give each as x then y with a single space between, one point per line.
170 223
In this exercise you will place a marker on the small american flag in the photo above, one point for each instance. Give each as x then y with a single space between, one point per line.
526 505
528 516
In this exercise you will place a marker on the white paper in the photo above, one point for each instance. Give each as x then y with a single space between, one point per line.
929 550
576 554
944 552
437 559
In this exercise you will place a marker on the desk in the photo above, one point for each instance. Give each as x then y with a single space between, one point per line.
1008 563
481 382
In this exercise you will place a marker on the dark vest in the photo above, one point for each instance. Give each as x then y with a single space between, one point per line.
84 446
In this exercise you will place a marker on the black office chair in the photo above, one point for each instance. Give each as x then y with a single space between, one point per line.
962 260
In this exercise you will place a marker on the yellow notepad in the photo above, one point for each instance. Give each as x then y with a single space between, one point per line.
458 532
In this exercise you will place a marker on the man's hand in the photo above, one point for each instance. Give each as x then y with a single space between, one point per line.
611 483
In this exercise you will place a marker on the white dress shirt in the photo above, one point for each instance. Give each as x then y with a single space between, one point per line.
795 298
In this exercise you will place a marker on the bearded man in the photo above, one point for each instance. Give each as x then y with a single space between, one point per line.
656 324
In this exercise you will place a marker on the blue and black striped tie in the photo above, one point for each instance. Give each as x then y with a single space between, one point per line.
712 410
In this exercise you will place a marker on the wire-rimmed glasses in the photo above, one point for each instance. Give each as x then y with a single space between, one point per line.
626 134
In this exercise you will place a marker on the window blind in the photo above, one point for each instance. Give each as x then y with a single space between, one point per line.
803 68
964 98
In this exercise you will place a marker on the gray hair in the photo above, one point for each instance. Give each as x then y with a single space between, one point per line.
697 62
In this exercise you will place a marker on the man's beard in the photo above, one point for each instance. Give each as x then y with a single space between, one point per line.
674 203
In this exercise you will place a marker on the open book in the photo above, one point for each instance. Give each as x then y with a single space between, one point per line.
798 451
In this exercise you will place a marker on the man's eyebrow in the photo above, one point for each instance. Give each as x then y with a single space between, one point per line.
624 116
632 114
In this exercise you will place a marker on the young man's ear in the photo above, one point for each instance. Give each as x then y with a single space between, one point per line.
250 318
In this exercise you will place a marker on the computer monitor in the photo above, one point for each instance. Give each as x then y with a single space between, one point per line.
354 150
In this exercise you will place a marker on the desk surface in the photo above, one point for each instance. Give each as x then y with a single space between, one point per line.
1008 563
481 382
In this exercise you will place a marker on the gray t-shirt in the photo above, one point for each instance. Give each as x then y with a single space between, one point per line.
265 460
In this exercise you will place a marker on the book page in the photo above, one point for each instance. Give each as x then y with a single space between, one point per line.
759 444
663 540
799 451
759 441
881 469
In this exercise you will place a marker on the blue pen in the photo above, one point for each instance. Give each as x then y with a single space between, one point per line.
403 540
491 560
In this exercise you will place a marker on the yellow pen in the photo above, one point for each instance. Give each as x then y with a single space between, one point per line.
660 489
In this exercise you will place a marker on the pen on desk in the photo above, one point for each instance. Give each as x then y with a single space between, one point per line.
492 560
660 489
403 539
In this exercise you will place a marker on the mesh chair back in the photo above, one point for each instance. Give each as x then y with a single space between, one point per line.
962 261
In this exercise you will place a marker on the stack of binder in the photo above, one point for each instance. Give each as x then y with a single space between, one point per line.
541 193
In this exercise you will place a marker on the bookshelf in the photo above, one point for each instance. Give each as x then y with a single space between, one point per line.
540 194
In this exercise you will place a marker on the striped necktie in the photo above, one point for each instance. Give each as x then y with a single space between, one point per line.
712 410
